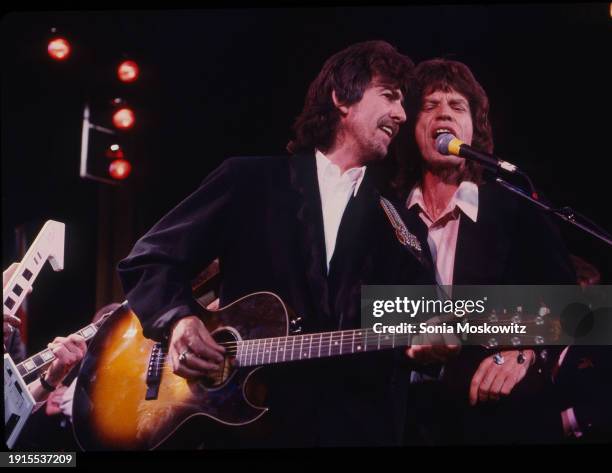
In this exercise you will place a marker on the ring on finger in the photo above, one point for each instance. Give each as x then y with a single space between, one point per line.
498 359
183 356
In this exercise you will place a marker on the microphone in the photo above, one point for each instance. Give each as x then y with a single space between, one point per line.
449 144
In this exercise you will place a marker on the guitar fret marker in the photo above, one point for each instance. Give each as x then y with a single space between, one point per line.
17 290
10 303
88 332
47 355
27 274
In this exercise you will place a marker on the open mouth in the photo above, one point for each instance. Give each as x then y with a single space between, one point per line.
439 131
388 130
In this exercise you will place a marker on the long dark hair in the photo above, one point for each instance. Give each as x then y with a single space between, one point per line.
430 76
348 73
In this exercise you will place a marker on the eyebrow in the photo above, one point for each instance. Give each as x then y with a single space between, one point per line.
397 93
461 101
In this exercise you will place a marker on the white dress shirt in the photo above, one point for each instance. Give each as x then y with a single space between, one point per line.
336 189
443 232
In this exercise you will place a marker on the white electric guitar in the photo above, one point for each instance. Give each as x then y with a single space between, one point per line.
48 245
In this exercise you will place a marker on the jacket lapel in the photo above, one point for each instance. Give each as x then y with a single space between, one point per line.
310 234
415 225
482 246
355 238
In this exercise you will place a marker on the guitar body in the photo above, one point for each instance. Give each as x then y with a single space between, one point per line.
111 410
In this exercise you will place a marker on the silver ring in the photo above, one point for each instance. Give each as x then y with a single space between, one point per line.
498 359
183 356
520 359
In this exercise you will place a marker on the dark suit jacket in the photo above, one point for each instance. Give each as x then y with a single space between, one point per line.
511 243
584 383
262 217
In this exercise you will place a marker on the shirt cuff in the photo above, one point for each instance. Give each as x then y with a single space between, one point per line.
571 427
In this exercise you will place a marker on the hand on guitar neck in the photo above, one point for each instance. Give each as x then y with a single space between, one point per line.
426 354
434 347
192 350
68 351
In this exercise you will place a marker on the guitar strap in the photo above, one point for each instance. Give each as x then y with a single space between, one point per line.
410 242
407 239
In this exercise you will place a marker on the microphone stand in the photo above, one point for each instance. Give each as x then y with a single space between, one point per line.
566 213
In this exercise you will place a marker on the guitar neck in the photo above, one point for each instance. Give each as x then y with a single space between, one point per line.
268 351
31 366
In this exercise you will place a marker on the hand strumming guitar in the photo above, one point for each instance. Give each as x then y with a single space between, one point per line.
193 352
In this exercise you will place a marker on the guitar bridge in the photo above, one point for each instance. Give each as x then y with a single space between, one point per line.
156 364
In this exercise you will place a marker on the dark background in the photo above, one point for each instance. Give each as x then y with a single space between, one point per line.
217 83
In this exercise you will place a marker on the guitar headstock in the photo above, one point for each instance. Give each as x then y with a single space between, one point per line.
516 328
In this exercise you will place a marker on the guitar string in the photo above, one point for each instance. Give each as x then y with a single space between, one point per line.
162 358
346 340
348 334
339 342
250 344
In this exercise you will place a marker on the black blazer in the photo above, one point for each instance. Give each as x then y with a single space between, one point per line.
511 243
262 217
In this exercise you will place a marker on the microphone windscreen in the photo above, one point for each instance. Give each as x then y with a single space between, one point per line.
443 141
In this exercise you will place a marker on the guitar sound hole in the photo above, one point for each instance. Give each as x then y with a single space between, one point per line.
228 339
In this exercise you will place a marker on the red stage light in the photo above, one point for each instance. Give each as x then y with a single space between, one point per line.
124 118
120 169
59 48
127 71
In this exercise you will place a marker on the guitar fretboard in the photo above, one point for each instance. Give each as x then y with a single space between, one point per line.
30 366
265 351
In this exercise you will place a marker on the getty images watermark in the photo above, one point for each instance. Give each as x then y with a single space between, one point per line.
490 315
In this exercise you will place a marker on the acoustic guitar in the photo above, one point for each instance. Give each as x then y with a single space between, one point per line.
128 398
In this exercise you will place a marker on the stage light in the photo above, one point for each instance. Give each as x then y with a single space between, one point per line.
127 71
114 151
124 118
58 48
120 169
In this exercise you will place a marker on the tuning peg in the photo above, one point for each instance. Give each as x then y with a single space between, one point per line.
297 330
296 321
543 310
